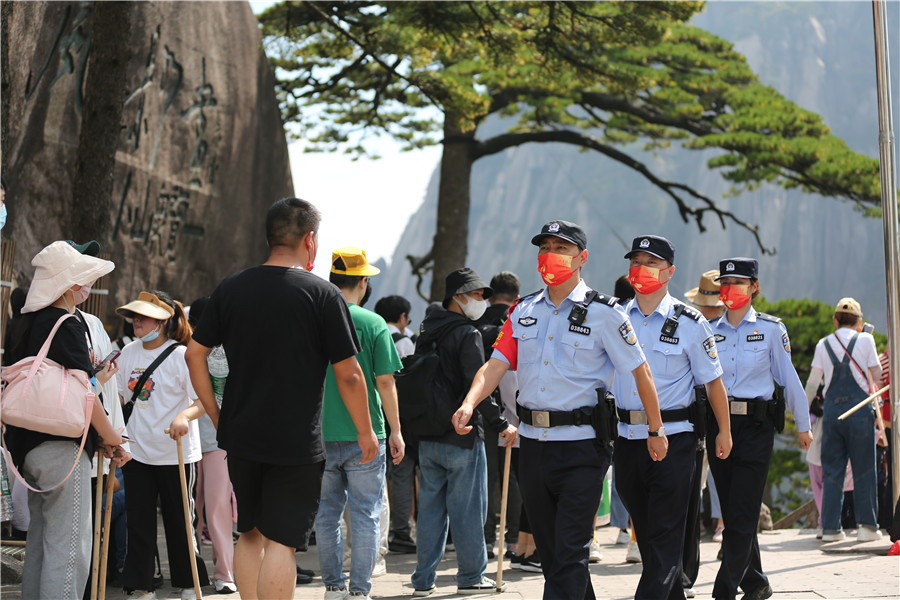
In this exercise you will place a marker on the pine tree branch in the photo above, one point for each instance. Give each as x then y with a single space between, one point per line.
673 189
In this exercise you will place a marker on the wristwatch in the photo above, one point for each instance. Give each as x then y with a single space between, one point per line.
661 432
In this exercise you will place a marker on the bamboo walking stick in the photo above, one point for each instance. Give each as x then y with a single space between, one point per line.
504 498
188 526
107 517
98 502
864 402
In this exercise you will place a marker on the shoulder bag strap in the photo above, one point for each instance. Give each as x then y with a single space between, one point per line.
139 386
42 353
850 356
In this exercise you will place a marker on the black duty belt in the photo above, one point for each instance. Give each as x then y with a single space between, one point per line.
639 417
553 418
745 406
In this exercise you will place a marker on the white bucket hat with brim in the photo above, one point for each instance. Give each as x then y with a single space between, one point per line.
58 267
147 305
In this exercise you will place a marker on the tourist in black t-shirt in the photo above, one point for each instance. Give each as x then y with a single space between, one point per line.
58 550
280 326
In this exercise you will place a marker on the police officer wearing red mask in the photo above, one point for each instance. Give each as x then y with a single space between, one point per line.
681 351
564 342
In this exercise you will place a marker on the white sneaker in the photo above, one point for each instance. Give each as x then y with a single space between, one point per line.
142 595
833 537
865 534
224 587
380 567
633 554
595 554
188 594
623 538
360 595
425 592
690 593
336 593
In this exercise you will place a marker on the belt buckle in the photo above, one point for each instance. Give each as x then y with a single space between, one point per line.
738 407
540 418
638 417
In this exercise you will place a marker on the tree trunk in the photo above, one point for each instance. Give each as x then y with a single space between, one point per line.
452 233
101 122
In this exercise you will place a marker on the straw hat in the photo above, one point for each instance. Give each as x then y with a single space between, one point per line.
147 305
707 294
58 267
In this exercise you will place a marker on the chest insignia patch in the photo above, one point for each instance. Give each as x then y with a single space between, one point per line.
756 337
668 339
719 338
527 321
628 333
709 346
786 342
580 329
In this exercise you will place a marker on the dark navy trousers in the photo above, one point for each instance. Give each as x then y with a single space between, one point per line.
657 494
740 481
691 559
561 483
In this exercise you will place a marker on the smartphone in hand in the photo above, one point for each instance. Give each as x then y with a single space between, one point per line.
111 357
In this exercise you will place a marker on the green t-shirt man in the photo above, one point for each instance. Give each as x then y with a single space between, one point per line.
377 357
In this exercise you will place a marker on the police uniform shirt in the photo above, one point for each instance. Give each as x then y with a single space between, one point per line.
678 361
754 353
560 364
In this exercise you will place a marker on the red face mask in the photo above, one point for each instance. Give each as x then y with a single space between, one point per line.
735 296
646 280
555 269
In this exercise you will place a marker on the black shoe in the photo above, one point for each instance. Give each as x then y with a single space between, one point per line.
490 552
516 561
304 576
760 593
158 582
532 563
402 544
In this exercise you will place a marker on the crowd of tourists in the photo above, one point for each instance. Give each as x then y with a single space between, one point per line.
279 410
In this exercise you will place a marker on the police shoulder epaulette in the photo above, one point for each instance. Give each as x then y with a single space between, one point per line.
767 317
607 300
519 299
691 312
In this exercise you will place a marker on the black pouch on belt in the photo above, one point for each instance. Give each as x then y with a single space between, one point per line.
777 408
699 411
604 418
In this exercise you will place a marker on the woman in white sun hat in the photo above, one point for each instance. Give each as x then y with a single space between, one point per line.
58 550
164 400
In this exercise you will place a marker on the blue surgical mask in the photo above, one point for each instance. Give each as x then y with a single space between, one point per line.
2 216
150 336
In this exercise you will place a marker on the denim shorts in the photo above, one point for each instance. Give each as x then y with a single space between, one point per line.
280 501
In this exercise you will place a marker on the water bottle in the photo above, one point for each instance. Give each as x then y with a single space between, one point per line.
218 371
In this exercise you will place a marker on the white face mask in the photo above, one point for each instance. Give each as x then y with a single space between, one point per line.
473 309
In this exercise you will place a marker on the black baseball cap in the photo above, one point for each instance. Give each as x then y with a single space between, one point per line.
462 281
562 229
656 245
739 267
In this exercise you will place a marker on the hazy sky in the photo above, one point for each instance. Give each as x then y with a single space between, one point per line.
364 203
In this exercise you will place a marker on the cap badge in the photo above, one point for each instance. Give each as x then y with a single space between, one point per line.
645 243
729 266
553 227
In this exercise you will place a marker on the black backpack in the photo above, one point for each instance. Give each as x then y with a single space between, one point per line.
425 403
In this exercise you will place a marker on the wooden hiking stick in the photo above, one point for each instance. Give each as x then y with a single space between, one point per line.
188 526
107 516
864 402
504 498
98 502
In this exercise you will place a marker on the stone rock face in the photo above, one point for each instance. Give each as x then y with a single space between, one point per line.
200 157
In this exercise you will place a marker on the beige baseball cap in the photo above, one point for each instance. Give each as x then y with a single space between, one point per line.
849 306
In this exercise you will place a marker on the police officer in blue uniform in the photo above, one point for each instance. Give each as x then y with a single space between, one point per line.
755 353
565 342
681 352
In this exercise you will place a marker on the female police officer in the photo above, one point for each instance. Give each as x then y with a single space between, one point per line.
754 349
